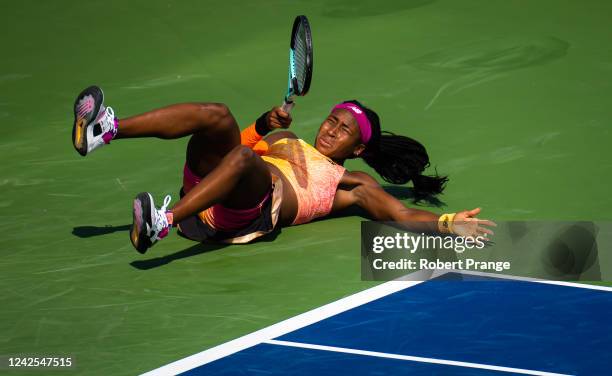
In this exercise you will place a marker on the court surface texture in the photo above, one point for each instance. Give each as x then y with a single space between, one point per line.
455 324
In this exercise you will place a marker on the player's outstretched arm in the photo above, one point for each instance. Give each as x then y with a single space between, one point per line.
366 193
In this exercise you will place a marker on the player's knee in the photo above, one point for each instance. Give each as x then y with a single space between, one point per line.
218 111
241 158
218 114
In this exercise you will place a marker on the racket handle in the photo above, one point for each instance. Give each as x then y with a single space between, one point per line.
287 106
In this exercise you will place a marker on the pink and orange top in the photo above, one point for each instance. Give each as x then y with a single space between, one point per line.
313 176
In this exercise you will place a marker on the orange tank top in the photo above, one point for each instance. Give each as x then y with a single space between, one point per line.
313 176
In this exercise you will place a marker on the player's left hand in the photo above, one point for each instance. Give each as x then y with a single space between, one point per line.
466 224
277 118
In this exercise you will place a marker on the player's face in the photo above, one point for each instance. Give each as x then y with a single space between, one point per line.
339 137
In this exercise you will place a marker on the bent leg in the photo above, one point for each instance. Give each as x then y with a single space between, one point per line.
232 174
177 121
240 181
212 126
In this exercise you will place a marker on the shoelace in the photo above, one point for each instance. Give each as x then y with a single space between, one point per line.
109 120
109 125
106 118
167 200
161 222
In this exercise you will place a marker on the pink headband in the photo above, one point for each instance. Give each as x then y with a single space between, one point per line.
362 120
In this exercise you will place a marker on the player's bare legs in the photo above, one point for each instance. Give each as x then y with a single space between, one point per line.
231 174
214 149
240 181
180 120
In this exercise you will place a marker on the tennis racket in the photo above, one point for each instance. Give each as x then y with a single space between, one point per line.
300 62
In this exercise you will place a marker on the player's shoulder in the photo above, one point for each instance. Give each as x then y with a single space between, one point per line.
279 135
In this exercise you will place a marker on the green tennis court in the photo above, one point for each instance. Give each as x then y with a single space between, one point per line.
511 98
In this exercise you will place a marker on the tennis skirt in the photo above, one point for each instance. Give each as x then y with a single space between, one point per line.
197 228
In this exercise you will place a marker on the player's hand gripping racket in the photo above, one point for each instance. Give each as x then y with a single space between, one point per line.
300 62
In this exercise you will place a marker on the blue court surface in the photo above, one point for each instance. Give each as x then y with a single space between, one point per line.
462 325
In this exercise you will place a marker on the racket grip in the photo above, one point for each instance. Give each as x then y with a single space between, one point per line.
287 106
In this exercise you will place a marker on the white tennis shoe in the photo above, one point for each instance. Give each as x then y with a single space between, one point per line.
149 225
94 124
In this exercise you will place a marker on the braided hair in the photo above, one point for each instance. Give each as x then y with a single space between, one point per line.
399 159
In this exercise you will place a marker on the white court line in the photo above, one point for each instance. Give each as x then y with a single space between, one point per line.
281 328
323 312
412 358
529 279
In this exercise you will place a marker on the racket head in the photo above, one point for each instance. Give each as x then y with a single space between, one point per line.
300 59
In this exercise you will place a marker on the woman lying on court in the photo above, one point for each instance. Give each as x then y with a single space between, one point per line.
238 186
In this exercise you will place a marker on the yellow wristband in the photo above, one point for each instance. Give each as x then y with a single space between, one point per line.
445 223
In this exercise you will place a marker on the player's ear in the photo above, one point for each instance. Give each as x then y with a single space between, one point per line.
358 150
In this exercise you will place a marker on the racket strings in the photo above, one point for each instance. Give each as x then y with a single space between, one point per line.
300 57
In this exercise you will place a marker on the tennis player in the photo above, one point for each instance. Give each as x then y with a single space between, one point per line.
238 186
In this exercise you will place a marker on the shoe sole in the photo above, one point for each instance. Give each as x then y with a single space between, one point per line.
79 129
142 221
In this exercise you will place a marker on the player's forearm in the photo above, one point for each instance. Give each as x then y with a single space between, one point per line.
384 207
417 220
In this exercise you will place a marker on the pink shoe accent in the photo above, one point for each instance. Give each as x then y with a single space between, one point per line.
108 136
86 106
170 218
138 213
163 233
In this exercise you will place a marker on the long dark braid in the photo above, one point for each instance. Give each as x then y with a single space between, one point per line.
399 159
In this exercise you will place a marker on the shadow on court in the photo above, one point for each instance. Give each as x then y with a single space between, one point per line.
401 193
196 249
90 231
